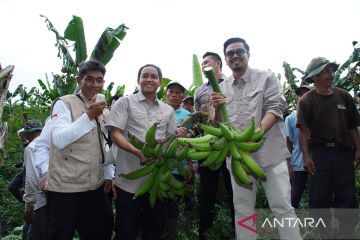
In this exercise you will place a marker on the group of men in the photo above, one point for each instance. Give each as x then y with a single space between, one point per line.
74 146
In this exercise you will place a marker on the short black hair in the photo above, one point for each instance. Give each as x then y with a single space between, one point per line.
358 94
91 65
235 40
214 55
150 65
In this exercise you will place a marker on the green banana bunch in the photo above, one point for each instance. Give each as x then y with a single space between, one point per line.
150 135
225 140
135 141
164 156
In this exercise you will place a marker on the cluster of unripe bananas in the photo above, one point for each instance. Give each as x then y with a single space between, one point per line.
162 159
211 150
218 143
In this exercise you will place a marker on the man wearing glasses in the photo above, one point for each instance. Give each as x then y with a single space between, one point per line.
252 93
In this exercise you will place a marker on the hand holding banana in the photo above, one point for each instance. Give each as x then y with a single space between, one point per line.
161 159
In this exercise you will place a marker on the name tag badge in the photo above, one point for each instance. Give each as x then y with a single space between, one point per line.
341 106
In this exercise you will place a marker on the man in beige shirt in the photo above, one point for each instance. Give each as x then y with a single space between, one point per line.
252 93
135 114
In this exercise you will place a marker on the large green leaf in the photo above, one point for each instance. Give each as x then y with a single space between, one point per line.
197 73
161 92
75 32
108 43
62 45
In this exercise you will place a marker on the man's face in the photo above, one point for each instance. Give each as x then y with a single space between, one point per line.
210 61
237 57
149 80
91 84
188 105
325 77
302 91
174 96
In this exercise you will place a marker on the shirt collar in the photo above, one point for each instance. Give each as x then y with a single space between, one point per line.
86 101
179 109
141 97
223 77
245 77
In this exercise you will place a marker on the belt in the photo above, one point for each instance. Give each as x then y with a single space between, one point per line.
326 144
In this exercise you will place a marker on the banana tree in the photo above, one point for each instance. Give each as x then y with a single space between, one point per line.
65 82
5 77
291 84
352 79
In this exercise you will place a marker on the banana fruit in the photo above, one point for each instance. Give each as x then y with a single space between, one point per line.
225 140
211 150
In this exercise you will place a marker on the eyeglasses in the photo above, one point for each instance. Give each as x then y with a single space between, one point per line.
238 51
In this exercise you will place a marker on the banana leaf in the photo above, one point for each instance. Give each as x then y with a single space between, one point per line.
108 43
120 90
75 32
161 92
107 93
62 45
197 73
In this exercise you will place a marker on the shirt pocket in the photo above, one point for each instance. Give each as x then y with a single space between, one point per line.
162 125
136 118
76 164
253 99
230 104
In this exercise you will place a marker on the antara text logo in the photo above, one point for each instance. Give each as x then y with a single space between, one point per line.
249 222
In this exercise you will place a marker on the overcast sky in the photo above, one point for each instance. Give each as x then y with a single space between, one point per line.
168 32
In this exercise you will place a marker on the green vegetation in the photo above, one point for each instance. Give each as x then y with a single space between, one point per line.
34 103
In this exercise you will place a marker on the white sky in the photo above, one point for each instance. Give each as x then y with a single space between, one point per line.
168 32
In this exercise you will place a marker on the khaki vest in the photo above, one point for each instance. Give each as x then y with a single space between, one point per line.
77 168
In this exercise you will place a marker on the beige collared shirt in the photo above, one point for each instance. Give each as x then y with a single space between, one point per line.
256 93
135 114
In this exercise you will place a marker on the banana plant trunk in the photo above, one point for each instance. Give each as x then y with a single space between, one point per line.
5 77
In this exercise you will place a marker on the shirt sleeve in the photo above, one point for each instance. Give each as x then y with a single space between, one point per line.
287 128
302 114
42 149
171 130
118 115
30 180
64 130
197 104
274 100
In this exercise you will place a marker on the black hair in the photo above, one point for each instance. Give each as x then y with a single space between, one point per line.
235 40
91 65
150 65
214 55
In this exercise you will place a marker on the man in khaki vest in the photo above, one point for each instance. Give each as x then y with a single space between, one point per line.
76 199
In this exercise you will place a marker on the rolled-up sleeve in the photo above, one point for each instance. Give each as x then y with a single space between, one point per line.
118 115
274 100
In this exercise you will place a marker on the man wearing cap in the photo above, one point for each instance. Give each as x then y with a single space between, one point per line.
35 200
256 94
298 176
174 94
188 103
75 183
208 178
327 119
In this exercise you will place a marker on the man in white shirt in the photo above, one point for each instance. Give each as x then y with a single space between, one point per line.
35 202
76 199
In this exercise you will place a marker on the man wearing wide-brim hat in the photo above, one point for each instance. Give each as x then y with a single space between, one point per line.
327 119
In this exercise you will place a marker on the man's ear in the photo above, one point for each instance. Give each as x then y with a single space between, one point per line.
78 80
